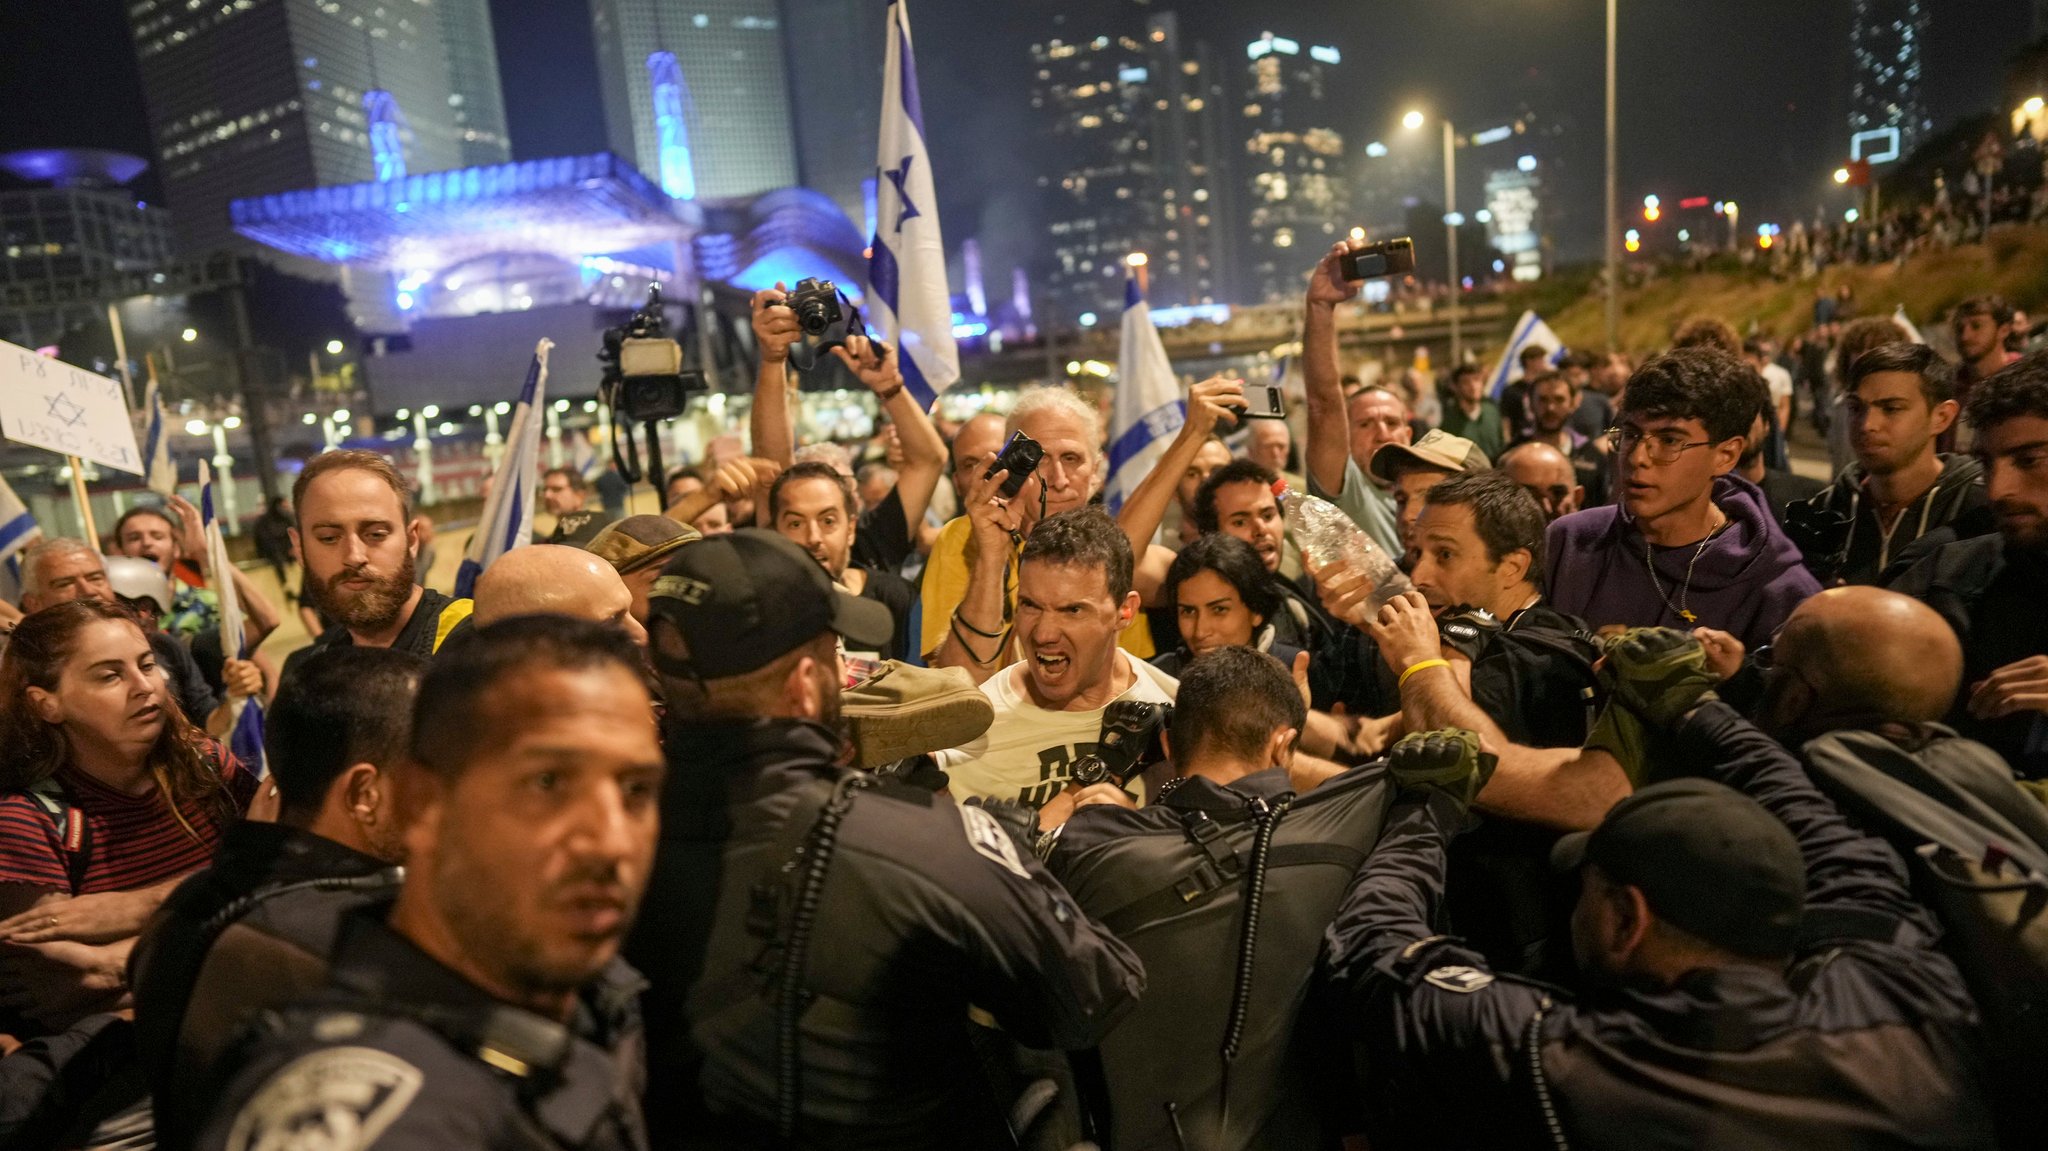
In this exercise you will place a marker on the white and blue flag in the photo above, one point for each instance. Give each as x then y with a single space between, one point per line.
159 474
1149 408
1530 329
1906 324
909 301
17 531
508 503
245 737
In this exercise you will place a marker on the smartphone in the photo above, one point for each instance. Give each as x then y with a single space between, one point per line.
1386 258
1020 458
1263 402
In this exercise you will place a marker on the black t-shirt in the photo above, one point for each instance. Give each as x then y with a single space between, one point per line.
894 592
882 539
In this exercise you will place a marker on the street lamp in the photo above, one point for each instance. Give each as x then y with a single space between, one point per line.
334 347
189 335
1412 121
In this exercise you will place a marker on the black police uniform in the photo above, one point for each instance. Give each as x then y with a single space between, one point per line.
1228 1049
926 907
1867 1042
400 1053
251 933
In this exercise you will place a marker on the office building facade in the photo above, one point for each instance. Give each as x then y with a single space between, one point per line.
1297 190
1887 113
1131 119
247 98
734 80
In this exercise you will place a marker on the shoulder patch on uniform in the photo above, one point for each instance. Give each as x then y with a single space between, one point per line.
335 1099
988 838
1463 980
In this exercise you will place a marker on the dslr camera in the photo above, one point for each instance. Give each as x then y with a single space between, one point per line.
644 377
826 318
1129 743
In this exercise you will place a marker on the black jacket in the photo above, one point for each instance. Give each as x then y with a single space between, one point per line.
1867 1043
1957 500
251 933
403 1054
927 907
1993 597
1173 879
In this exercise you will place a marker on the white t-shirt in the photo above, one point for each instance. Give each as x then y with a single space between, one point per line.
1028 753
1778 380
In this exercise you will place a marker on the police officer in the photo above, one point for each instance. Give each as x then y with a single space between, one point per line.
255 930
488 1009
1224 886
1758 974
856 920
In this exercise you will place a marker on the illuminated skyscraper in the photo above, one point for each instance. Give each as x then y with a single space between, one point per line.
1298 195
736 110
1137 163
1885 105
246 98
835 72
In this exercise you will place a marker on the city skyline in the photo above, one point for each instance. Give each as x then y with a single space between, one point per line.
1782 100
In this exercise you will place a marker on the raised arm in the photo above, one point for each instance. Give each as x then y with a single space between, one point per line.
775 329
924 452
1208 403
977 637
1329 441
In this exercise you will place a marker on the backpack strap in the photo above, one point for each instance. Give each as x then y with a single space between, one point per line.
74 836
452 613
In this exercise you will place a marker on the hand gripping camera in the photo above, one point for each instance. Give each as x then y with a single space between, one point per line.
826 318
1129 743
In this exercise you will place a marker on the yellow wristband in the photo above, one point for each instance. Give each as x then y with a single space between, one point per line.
1425 665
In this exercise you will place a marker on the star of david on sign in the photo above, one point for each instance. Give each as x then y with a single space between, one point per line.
899 176
64 408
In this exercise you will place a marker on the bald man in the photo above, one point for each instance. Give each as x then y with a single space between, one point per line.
1859 658
1547 474
555 579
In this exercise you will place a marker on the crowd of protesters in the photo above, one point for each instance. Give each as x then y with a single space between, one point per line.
926 802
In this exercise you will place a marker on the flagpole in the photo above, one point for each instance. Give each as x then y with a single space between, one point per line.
121 350
92 531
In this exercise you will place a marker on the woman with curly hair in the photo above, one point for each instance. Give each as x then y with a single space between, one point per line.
108 797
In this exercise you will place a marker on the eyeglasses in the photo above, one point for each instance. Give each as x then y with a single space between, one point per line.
1664 447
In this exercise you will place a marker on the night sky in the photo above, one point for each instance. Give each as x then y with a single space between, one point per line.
1736 99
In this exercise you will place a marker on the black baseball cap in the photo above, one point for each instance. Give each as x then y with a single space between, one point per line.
1708 859
746 599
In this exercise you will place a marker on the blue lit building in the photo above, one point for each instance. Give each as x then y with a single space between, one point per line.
464 270
246 98
728 60
65 215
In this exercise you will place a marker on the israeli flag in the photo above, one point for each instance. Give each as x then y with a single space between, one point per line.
508 502
1530 329
245 738
1149 408
909 301
17 530
161 476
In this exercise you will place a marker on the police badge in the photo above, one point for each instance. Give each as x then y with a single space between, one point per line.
336 1099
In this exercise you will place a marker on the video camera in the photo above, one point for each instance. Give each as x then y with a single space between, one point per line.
644 377
1129 743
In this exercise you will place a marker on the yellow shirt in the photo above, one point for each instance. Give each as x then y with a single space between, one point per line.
945 585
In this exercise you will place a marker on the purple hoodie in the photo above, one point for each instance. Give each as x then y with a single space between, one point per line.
1745 583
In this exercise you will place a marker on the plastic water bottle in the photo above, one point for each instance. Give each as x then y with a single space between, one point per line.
1326 535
